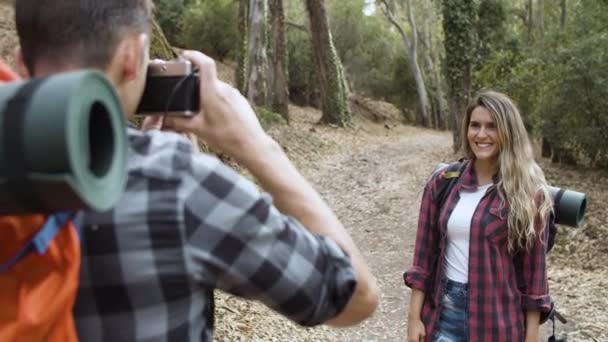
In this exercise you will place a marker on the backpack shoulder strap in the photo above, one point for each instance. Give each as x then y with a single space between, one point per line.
41 240
449 177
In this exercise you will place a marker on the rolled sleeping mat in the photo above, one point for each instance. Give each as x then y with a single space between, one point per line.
63 144
569 206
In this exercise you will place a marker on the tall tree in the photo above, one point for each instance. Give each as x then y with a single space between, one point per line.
432 59
562 21
332 81
160 47
241 49
410 42
278 89
490 29
457 27
529 7
540 17
257 70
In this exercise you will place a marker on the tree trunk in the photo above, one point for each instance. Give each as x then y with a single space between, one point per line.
562 21
257 90
279 90
540 23
423 117
160 47
530 19
411 47
332 83
438 116
457 25
241 50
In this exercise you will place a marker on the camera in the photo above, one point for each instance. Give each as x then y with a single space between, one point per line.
172 88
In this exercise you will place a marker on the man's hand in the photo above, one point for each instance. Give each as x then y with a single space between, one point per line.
157 122
152 122
226 121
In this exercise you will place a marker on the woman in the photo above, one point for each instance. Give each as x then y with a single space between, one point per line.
479 270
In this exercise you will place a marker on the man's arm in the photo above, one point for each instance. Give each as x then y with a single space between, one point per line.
294 196
228 123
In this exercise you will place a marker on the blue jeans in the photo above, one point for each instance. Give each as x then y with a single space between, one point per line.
453 318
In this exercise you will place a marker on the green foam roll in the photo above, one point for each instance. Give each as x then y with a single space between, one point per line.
63 144
570 206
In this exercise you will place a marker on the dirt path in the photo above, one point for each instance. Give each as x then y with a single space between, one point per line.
376 193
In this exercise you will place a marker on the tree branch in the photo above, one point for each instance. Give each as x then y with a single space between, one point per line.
410 17
297 26
391 17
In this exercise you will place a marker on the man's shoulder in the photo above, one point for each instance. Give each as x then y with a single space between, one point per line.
152 142
162 154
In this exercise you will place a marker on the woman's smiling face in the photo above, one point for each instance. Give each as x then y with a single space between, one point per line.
483 135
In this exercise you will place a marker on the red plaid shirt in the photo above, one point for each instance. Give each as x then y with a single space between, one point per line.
502 285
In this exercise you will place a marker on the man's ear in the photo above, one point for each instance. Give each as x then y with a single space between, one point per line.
130 55
21 67
138 52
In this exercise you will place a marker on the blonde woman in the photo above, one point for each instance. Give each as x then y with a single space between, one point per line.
479 271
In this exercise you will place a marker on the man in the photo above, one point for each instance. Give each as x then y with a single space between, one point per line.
187 223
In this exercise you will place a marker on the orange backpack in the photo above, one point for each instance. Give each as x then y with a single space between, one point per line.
39 269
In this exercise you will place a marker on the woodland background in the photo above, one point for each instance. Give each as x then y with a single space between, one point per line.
366 97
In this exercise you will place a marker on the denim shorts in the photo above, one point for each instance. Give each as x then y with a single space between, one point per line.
452 325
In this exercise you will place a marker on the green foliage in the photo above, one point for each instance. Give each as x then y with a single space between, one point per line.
368 60
169 15
573 102
269 118
559 80
490 28
303 82
457 24
401 90
211 26
371 52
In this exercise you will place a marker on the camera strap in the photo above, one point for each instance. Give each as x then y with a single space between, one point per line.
13 147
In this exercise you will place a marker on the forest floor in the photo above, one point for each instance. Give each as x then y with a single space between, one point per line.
372 174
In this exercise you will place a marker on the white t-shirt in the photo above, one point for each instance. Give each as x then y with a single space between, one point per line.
459 228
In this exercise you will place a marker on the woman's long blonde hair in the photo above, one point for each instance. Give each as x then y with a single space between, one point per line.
522 180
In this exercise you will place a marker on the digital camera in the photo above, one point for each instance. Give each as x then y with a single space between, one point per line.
172 88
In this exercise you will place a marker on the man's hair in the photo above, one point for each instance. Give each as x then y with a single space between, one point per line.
83 32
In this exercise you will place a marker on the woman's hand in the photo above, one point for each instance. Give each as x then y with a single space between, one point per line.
415 330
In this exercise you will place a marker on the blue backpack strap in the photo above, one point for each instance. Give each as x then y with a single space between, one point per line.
41 241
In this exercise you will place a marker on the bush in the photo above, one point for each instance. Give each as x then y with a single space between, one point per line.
211 26
269 118
169 14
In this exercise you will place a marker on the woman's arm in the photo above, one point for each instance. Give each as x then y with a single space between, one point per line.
426 239
535 291
532 325
419 274
415 327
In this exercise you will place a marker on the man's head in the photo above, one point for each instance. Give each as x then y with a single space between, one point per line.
108 35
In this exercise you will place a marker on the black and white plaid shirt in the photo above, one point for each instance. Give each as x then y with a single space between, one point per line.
187 225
